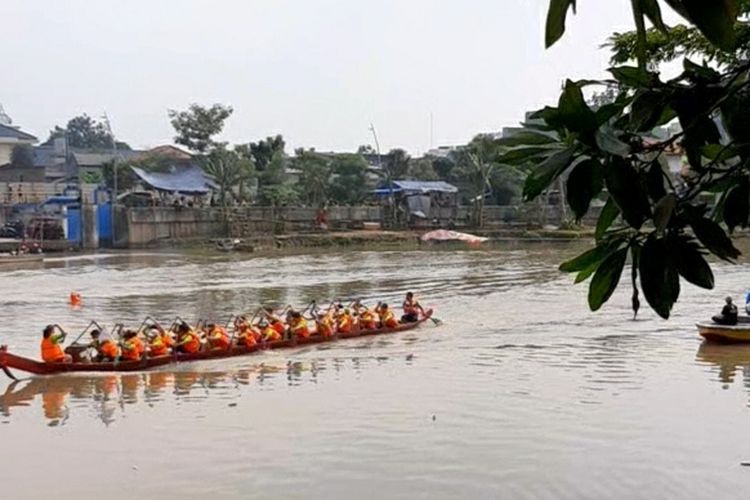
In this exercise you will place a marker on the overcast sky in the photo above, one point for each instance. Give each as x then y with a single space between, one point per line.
316 71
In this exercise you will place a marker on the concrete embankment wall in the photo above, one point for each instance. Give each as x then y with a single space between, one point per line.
139 227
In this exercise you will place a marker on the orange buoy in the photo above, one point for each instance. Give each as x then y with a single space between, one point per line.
75 299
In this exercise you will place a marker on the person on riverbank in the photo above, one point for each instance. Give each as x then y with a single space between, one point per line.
412 309
728 314
51 346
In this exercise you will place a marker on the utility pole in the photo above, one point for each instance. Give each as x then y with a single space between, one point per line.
391 200
113 201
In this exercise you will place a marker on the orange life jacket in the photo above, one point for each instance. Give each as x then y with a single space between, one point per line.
192 342
247 338
160 345
367 320
219 339
131 349
279 327
345 323
388 319
325 328
300 329
52 352
270 334
109 350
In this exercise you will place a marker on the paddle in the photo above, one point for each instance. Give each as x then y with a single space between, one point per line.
3 350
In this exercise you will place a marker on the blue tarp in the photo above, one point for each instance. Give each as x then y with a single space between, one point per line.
415 187
191 180
62 200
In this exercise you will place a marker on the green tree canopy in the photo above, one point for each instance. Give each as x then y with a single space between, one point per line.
314 178
86 133
197 126
657 220
349 185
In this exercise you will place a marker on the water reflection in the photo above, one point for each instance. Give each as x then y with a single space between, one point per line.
106 397
730 360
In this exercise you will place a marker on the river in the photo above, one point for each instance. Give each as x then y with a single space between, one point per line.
520 393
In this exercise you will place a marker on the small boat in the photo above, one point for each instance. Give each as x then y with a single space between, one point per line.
727 334
8 360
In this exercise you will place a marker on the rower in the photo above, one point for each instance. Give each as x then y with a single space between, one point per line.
105 350
412 308
324 324
387 318
728 314
298 326
217 337
367 319
52 351
245 334
132 346
275 321
161 342
268 332
187 340
345 322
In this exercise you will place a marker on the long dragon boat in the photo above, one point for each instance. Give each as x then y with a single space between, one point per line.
9 360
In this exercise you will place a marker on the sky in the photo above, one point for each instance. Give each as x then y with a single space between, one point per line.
317 71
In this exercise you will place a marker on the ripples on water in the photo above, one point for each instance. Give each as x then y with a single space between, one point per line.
522 393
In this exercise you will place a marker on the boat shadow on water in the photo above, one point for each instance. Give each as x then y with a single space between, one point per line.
107 396
729 359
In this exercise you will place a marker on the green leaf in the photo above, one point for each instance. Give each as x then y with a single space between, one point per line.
714 18
556 16
692 265
652 10
648 109
632 76
527 137
546 172
663 212
606 279
610 143
624 185
713 237
736 208
700 74
609 213
524 154
573 111
655 181
590 257
660 280
584 183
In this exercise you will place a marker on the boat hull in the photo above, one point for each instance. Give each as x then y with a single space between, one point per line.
8 360
724 334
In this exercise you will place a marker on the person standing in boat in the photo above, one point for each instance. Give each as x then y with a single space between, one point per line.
51 346
728 314
412 308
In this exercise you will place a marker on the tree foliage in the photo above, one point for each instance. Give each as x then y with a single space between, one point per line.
349 185
85 133
22 156
664 227
228 169
197 126
314 176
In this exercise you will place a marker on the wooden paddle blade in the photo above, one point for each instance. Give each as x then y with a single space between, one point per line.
9 373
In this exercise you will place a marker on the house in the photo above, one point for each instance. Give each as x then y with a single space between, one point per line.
10 138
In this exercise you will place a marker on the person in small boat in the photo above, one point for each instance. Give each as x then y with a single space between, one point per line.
412 309
387 318
298 326
132 346
102 350
161 342
275 321
217 337
187 340
268 332
367 319
728 314
345 322
245 334
51 346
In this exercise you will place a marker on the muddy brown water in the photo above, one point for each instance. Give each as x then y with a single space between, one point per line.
521 393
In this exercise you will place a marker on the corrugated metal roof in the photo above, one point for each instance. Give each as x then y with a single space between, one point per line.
183 180
14 133
416 187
